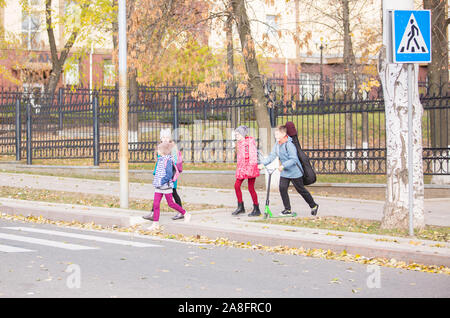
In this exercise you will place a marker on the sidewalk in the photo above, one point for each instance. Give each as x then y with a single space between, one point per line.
437 211
219 222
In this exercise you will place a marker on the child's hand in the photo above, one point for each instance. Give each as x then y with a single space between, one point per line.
281 168
261 166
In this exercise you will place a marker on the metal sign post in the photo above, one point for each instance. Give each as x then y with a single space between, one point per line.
410 150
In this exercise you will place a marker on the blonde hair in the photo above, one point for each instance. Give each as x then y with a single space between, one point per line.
282 129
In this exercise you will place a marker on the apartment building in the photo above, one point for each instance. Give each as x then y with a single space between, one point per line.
26 57
304 39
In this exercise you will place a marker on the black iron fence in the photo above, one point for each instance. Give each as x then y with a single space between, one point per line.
341 135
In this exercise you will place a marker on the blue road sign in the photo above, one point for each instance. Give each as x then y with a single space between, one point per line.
411 36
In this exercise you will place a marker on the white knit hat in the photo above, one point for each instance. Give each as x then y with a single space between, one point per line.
242 130
165 133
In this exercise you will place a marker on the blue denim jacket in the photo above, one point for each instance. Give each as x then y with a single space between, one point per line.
164 173
289 159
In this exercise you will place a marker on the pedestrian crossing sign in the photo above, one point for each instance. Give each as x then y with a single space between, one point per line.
411 36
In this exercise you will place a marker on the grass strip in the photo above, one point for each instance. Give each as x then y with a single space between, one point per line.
336 223
94 200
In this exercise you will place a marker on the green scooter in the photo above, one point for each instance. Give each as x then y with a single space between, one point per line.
267 212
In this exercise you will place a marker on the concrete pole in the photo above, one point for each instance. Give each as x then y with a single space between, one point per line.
123 106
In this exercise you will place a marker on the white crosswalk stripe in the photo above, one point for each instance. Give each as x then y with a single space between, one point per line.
83 237
31 240
13 249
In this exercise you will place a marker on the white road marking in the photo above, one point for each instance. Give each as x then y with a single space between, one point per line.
13 249
31 240
83 237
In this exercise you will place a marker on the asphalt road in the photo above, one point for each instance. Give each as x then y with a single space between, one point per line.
39 260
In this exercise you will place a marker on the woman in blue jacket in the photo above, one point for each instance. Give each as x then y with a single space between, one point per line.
291 170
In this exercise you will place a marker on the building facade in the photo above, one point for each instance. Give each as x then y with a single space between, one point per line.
25 53
299 39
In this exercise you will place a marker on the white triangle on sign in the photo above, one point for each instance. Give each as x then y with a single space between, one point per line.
412 40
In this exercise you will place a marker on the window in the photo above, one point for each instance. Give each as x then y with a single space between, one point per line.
72 73
272 25
309 86
340 82
31 24
109 78
72 13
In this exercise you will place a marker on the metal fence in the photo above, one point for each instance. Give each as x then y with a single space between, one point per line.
341 135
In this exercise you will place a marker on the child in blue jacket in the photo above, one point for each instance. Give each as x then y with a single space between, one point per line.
291 170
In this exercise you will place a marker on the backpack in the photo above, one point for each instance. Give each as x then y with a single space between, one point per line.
309 175
176 172
179 164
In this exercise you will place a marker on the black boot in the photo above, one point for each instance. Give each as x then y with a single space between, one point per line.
240 209
256 211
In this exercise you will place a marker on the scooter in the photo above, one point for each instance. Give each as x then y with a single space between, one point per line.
267 212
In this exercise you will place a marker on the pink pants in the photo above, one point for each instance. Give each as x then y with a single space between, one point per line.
157 201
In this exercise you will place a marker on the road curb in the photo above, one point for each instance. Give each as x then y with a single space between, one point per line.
70 212
273 240
125 218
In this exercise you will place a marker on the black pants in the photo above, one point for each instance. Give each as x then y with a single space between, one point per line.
176 198
298 184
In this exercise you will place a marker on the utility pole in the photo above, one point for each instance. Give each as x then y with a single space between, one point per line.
123 106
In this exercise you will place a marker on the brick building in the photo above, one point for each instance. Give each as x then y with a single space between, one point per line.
25 54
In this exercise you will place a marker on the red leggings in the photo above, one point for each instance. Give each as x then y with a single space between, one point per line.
251 189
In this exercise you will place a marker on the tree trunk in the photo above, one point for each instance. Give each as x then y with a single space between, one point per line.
133 87
133 116
254 77
55 75
395 88
438 76
231 85
57 62
349 65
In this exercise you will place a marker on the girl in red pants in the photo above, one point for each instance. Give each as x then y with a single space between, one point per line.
247 168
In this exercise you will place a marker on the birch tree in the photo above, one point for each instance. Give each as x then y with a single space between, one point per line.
395 89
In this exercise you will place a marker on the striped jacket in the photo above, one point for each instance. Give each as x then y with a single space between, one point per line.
164 172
